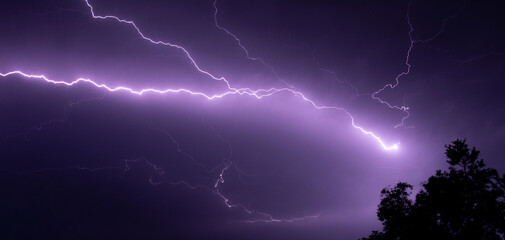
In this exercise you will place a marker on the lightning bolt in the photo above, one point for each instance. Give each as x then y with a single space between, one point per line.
229 90
259 93
375 96
356 91
245 49
227 164
413 41
260 216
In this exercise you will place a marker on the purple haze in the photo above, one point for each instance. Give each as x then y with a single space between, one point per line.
273 120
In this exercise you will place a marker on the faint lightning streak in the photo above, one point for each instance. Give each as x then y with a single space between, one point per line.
334 74
185 154
280 220
159 170
407 62
442 28
245 49
269 217
478 57
402 74
41 125
234 36
265 217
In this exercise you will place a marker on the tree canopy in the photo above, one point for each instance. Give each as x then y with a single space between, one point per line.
467 201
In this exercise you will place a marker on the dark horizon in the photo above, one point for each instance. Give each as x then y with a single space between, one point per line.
304 158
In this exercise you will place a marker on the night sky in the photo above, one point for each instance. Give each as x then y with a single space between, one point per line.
300 159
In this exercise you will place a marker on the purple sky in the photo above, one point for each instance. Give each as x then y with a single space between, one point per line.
80 161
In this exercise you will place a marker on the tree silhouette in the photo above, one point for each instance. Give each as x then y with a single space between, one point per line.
466 202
